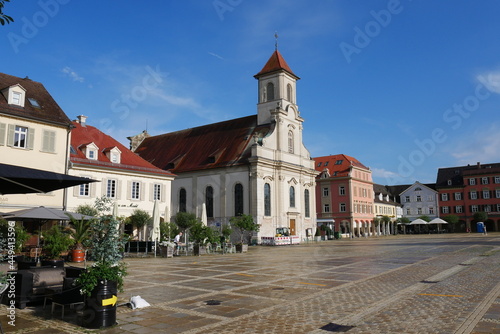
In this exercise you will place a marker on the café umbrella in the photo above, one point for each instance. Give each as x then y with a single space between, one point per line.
24 180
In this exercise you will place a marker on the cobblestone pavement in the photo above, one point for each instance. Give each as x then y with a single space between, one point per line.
398 284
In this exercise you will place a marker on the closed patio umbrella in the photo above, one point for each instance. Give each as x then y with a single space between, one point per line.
156 225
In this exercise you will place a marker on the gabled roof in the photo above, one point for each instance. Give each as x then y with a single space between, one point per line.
338 165
84 135
49 110
275 63
384 190
215 145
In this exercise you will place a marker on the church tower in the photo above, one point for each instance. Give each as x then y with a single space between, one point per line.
277 88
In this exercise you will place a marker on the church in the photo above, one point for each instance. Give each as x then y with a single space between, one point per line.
256 165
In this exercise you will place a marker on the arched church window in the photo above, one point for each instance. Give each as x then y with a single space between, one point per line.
307 209
238 199
209 201
182 200
270 91
289 95
267 199
290 142
292 197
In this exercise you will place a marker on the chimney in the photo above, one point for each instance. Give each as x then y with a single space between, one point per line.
82 119
478 165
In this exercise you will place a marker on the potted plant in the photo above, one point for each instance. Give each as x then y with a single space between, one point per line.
79 232
245 224
55 242
104 279
201 235
317 235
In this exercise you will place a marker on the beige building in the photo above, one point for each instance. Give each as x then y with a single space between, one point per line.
34 133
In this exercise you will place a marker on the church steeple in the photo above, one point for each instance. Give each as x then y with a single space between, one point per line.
277 84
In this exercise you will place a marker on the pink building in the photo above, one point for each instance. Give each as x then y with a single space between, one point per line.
344 195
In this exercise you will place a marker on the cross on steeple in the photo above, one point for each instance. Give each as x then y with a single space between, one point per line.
276 42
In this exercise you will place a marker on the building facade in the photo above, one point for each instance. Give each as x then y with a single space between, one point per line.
125 178
255 165
35 133
344 192
385 204
466 190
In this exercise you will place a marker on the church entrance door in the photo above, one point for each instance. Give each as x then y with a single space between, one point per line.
292 227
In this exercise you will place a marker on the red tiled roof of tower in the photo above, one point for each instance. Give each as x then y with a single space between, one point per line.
339 164
84 135
275 63
49 111
215 145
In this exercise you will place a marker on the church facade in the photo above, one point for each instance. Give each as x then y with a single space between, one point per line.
256 165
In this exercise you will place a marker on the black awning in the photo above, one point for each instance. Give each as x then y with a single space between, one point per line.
23 180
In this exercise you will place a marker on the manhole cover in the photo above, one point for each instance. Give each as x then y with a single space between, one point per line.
331 327
213 302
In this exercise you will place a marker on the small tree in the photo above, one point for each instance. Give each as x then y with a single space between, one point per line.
80 229
20 232
480 216
425 218
56 241
168 231
3 17
245 224
452 220
139 219
87 209
185 220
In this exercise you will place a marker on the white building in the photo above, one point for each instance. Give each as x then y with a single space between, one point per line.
125 178
419 200
255 165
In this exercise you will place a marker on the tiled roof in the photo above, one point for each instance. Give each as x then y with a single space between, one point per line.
338 165
455 174
210 146
49 110
275 63
83 135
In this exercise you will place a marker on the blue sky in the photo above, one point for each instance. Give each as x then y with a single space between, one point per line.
406 87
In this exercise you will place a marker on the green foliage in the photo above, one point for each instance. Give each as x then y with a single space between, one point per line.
4 18
386 219
425 218
107 246
55 241
139 218
90 278
245 224
202 234
87 209
80 230
451 219
185 220
480 216
318 233
168 231
226 231
376 220
20 235
404 220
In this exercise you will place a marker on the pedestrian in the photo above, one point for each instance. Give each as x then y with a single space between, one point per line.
484 230
177 241
468 229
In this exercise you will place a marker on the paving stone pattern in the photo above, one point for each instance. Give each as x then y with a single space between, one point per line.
446 283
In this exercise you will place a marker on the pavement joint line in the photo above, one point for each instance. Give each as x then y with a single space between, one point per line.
469 324
438 295
312 284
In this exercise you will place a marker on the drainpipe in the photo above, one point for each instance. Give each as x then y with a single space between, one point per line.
66 164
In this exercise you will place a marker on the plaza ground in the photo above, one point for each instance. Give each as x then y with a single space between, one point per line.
448 283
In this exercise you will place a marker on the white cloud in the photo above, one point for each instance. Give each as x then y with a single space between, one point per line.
481 146
491 81
72 74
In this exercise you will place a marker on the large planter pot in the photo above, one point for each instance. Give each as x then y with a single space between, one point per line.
59 263
199 250
166 251
25 264
241 248
78 255
100 307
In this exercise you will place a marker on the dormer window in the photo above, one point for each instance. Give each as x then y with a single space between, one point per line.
90 151
15 95
113 154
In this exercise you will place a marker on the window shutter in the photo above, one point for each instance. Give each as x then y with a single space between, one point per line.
129 190
118 189
10 135
104 186
163 192
92 189
2 133
142 191
151 191
31 138
52 141
76 191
